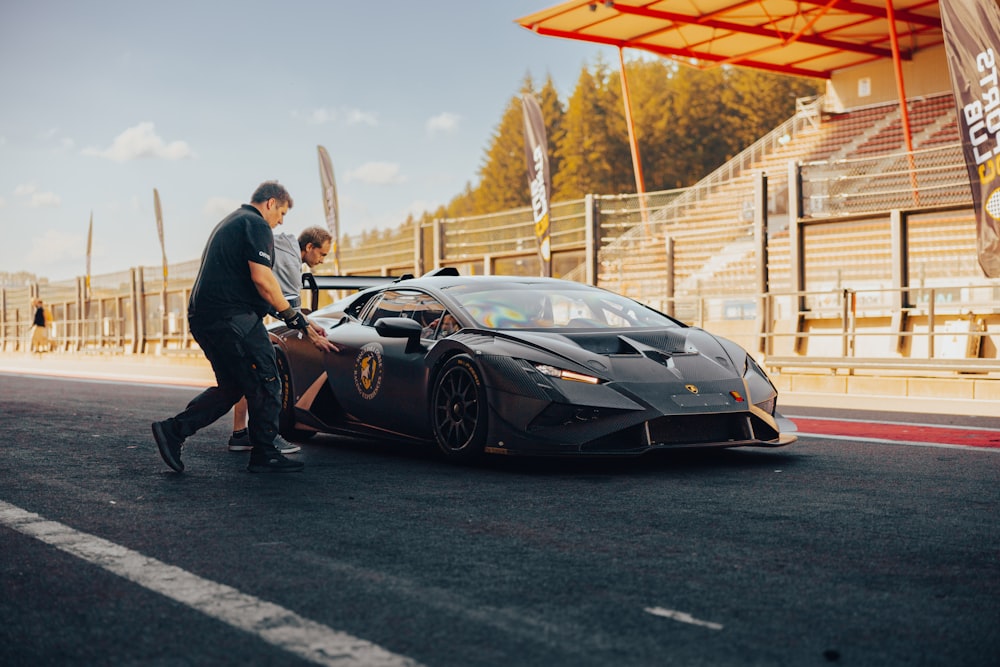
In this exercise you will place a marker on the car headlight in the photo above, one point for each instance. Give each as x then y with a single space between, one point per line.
563 374
761 390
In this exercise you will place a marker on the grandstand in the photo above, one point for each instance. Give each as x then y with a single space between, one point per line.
855 161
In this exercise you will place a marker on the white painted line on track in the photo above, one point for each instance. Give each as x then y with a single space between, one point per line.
681 616
274 624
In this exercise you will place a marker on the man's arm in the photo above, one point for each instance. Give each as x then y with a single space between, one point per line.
267 286
269 290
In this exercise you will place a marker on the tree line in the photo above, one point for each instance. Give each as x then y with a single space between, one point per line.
688 122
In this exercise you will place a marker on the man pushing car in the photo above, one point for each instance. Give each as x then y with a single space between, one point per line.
234 289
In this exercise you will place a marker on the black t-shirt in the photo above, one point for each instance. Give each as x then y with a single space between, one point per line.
223 287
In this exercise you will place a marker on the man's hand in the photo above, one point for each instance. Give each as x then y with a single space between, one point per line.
322 343
293 319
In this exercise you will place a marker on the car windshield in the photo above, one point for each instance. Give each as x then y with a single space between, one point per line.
540 306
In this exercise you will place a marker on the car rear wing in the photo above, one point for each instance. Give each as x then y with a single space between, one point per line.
315 283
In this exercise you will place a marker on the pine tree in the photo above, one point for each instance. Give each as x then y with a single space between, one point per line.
502 177
582 148
763 100
687 122
553 113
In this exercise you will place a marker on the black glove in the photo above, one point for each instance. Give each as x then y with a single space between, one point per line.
294 319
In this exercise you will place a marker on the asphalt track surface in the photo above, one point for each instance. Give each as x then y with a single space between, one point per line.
874 540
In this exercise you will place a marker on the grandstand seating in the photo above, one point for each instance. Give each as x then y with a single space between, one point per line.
713 251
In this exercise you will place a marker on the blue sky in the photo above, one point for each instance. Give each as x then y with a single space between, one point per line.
202 100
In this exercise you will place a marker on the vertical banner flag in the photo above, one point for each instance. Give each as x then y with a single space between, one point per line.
90 239
972 42
164 322
159 231
330 205
536 154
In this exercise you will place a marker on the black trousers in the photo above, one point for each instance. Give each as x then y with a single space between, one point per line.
243 361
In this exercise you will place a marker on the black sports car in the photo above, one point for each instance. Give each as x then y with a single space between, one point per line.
514 365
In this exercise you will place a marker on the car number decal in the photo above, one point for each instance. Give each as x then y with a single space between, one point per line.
368 371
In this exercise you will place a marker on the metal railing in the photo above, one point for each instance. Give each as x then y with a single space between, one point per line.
852 329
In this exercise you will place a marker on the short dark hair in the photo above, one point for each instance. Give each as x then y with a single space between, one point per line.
315 235
271 190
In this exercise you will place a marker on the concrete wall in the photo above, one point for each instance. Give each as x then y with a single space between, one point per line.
926 74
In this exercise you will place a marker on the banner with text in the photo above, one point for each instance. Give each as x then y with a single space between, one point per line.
159 231
536 154
972 42
90 241
330 206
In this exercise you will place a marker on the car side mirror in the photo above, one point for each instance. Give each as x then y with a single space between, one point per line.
400 327
397 327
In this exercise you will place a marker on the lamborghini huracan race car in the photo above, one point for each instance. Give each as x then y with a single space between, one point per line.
517 365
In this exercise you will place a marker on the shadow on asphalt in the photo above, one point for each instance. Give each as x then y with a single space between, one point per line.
715 459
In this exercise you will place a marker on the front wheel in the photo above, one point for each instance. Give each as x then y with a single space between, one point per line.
458 410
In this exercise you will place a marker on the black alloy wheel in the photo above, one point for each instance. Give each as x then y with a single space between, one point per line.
458 410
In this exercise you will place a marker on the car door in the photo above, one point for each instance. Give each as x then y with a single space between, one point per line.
381 381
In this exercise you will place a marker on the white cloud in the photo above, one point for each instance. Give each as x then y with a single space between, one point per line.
443 122
359 117
54 247
3 203
324 116
36 198
321 116
45 200
377 173
142 141
216 208
51 135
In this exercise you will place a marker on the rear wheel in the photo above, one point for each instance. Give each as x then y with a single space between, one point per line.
458 410
286 418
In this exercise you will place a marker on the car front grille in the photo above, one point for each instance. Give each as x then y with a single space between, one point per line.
697 429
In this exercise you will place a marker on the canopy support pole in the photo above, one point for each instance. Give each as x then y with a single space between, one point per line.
904 113
640 185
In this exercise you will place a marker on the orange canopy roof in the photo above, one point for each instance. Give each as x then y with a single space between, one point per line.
811 38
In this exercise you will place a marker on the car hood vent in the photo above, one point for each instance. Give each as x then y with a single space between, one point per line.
601 343
664 346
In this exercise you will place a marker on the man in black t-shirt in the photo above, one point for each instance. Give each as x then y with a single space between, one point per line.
234 289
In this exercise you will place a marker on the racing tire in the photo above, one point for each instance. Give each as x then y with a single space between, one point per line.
286 418
459 412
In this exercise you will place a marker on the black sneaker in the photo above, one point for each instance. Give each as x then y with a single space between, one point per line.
170 447
240 442
272 462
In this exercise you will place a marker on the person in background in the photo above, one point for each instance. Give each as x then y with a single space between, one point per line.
311 248
39 327
234 289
